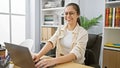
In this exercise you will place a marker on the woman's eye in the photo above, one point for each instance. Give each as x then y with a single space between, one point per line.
70 13
66 13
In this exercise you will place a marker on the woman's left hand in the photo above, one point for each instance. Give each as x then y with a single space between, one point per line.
44 63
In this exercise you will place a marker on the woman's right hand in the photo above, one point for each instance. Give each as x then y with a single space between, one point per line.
35 57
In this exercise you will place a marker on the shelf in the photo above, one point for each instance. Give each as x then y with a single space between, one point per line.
50 25
111 27
112 4
43 41
112 48
52 9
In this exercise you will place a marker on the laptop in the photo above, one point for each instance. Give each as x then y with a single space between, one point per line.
20 55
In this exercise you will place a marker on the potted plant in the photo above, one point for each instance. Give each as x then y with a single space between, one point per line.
86 23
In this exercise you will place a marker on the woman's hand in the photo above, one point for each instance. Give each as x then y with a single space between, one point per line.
35 58
44 63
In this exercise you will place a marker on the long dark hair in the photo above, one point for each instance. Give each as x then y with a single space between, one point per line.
76 7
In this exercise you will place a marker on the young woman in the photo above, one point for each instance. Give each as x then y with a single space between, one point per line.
70 41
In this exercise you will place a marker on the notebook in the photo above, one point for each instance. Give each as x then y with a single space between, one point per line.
20 55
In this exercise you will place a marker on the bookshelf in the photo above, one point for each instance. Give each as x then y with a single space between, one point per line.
52 17
111 35
112 22
50 9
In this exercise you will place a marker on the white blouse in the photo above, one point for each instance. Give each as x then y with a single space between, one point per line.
66 41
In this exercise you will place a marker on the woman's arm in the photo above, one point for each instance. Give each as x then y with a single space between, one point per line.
47 47
50 44
66 58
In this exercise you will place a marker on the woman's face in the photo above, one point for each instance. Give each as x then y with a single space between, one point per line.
71 15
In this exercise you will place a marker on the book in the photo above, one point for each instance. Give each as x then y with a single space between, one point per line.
110 17
107 11
112 45
117 17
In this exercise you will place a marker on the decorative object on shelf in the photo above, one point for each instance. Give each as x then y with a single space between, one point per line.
51 4
62 20
86 23
62 3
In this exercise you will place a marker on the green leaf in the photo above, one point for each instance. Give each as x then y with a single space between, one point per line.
86 23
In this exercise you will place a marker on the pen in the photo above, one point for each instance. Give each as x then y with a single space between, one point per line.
7 59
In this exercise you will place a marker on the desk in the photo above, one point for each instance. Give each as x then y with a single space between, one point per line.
71 65
66 65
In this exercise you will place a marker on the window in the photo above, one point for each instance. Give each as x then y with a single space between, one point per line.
4 28
12 20
4 3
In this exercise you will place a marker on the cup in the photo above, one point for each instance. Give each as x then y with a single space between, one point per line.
2 52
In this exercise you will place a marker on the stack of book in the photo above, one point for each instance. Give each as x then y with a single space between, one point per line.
47 33
112 45
112 17
48 19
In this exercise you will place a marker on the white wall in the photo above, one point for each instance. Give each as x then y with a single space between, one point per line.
90 9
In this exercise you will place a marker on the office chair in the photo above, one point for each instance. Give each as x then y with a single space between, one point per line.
93 50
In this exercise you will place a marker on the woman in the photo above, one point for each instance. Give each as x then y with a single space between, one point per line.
70 40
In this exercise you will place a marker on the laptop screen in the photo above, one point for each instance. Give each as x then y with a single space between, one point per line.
20 55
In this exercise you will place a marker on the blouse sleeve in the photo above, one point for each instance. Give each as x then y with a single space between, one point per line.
80 47
54 38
